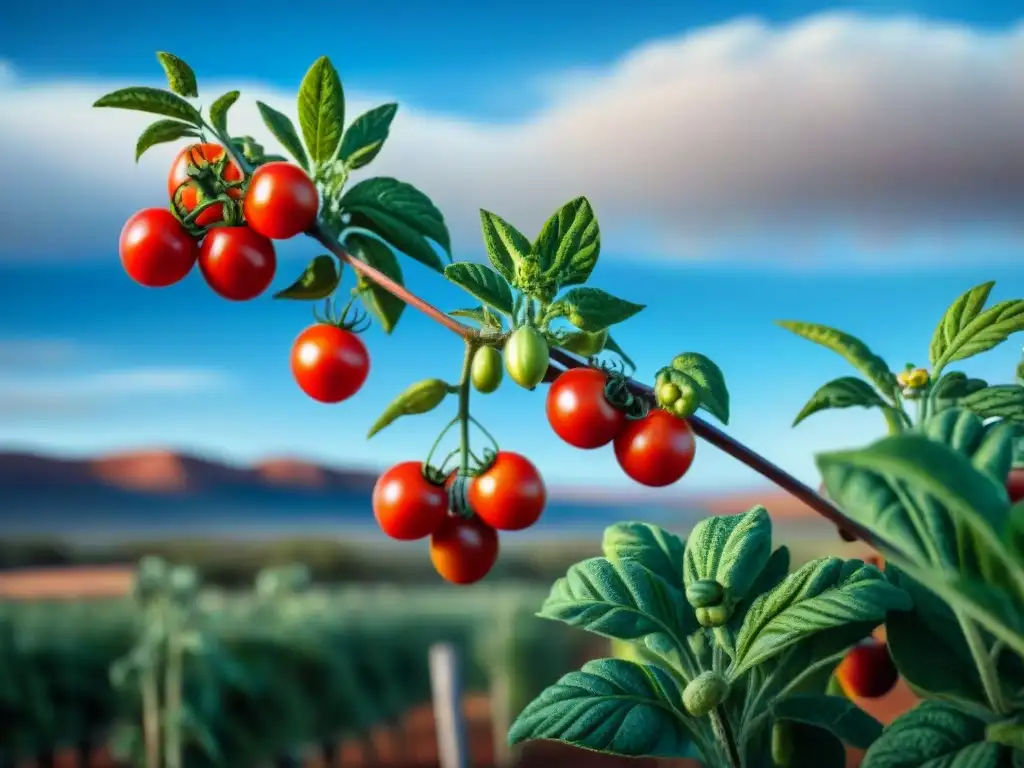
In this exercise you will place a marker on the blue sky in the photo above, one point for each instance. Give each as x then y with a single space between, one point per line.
855 166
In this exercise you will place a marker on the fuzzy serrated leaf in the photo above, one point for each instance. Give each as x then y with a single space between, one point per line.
365 137
162 132
1004 401
154 101
844 392
506 246
483 283
219 110
180 77
321 111
934 734
968 329
569 244
281 126
591 309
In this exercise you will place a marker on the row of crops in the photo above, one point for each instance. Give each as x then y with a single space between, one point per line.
178 675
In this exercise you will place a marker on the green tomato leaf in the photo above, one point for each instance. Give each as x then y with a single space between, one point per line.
612 346
153 100
321 111
730 549
281 126
419 398
1005 401
815 747
482 316
950 388
654 548
506 246
824 594
569 244
773 573
844 392
591 309
709 381
180 77
400 214
384 305
839 716
612 706
483 283
967 328
851 349
162 132
366 136
620 599
1009 733
219 110
317 281
934 735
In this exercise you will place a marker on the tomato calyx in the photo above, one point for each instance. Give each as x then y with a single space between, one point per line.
350 318
619 395
210 180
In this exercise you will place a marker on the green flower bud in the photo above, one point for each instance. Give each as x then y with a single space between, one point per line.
705 692
782 744
705 593
714 616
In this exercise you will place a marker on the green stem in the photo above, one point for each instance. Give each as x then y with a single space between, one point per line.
464 417
893 419
151 717
172 700
986 665
723 732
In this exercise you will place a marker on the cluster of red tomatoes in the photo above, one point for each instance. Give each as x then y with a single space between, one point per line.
461 515
235 251
655 450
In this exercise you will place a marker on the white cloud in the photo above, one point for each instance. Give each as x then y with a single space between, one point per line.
23 353
891 128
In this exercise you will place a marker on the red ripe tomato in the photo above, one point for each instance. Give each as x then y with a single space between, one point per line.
330 364
579 412
201 156
155 249
1015 485
655 450
238 264
281 202
463 550
407 505
510 494
867 671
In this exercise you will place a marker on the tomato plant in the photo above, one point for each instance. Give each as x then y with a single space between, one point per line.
656 450
281 201
406 504
155 249
580 412
509 494
237 263
199 175
329 363
486 371
464 549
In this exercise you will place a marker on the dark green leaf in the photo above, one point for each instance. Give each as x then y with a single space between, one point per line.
1008 732
808 666
612 346
152 100
620 599
1005 401
416 399
384 305
281 126
401 215
654 548
317 281
729 549
852 349
611 706
968 328
366 136
709 381
933 735
481 315
506 246
845 392
816 748
321 111
824 594
569 244
774 571
591 309
483 283
840 717
162 132
219 110
180 77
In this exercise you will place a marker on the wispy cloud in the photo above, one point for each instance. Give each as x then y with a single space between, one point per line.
892 128
31 353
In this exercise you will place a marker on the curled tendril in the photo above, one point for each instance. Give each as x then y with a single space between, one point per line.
350 318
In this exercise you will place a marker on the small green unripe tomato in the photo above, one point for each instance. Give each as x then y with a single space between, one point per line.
782 744
713 616
486 372
686 404
667 394
527 357
705 593
586 344
705 692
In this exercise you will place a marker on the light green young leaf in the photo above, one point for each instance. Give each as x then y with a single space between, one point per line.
384 305
709 381
851 349
569 244
152 100
653 547
180 77
219 110
483 316
619 599
281 126
968 329
845 392
1004 401
730 549
591 309
506 246
162 132
824 594
612 706
365 137
321 111
934 734
482 283
839 716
